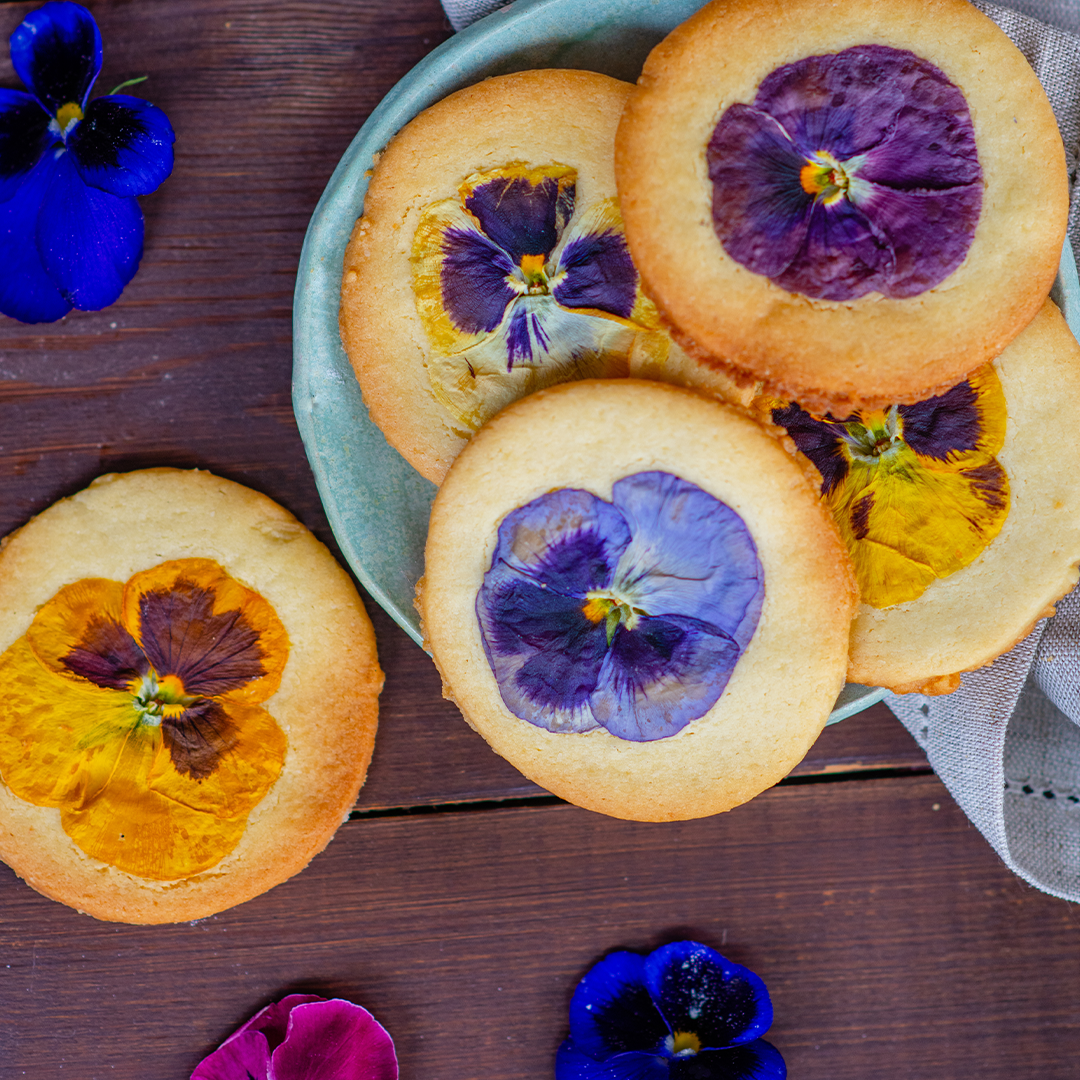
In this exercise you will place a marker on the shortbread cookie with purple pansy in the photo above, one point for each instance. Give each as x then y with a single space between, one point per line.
858 204
490 261
961 512
636 596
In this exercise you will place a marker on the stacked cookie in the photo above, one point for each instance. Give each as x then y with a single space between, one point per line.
843 228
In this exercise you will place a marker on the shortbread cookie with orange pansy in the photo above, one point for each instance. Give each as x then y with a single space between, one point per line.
858 204
188 697
635 594
961 512
490 261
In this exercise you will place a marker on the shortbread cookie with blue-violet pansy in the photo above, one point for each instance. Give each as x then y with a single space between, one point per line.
961 512
188 697
636 596
858 204
490 260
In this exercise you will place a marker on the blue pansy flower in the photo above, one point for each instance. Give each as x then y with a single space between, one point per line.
628 615
71 231
684 1012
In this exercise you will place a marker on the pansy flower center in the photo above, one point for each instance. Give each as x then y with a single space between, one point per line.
67 116
874 434
536 279
606 606
158 698
683 1044
824 177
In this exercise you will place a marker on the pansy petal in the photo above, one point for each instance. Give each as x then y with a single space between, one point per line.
226 779
243 1056
660 676
760 210
27 293
820 440
700 991
593 268
59 740
522 210
90 242
273 1021
334 1040
24 137
196 622
142 831
691 555
570 1064
78 634
123 145
56 51
756 1060
612 1011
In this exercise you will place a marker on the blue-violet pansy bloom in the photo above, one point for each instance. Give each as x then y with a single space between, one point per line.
520 285
849 173
628 614
304 1037
71 230
684 1012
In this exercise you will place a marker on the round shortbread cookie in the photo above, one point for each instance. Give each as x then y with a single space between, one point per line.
610 447
490 262
963 621
938 307
240 647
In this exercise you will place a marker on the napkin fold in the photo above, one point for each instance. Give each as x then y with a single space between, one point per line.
1007 743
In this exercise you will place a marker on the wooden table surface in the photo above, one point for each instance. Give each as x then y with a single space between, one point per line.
460 903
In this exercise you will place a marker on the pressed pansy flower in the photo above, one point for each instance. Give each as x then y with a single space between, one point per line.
849 173
683 1012
304 1037
916 489
71 231
518 288
136 709
628 615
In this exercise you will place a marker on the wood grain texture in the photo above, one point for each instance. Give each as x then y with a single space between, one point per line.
893 942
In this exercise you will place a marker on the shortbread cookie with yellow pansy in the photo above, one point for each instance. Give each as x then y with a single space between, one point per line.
635 594
961 512
490 261
857 203
188 697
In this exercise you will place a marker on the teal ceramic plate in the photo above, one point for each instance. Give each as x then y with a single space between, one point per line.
377 504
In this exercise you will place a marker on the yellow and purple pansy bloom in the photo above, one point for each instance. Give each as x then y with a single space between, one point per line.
137 710
850 173
916 490
518 288
304 1037
71 230
684 1012
628 615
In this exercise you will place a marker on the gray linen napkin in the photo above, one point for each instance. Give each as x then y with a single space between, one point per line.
1007 743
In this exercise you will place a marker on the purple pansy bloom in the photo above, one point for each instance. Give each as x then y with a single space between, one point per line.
304 1037
71 231
628 615
684 1012
850 173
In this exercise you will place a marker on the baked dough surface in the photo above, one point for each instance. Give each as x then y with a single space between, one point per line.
533 117
327 703
963 621
872 351
589 435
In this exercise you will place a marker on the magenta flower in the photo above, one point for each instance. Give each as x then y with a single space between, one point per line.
303 1037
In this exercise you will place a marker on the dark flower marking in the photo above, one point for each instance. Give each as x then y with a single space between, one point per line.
849 173
684 1012
474 281
628 615
860 516
942 425
599 274
991 483
182 639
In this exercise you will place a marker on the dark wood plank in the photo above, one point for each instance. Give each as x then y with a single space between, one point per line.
893 941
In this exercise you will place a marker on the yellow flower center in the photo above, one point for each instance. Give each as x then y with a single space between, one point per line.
824 178
68 116
605 606
532 267
157 699
683 1044
875 434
